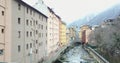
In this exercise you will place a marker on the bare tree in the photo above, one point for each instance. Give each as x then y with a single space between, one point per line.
107 38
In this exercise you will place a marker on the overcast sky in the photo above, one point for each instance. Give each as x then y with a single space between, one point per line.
71 10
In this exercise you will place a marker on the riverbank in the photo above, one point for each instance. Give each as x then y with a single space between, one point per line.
75 55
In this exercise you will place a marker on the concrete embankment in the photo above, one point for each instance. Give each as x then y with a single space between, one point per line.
95 55
55 55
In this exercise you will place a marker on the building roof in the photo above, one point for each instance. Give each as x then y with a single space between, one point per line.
51 10
24 3
54 13
58 16
39 5
63 22
86 26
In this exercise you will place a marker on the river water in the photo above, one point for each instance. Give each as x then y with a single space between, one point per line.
76 55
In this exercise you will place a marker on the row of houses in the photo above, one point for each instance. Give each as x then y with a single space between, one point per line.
86 30
29 34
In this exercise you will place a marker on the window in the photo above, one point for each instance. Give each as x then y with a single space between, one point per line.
36 51
19 7
42 18
27 10
30 45
41 26
2 13
36 31
27 46
36 22
36 41
19 34
19 21
31 12
1 51
46 19
42 34
46 34
30 33
19 49
46 27
27 33
31 23
2 30
27 22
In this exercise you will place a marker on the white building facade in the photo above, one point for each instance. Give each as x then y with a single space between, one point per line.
53 32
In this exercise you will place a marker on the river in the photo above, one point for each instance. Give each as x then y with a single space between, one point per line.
76 55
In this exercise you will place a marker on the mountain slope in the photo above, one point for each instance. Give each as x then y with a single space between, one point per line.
97 19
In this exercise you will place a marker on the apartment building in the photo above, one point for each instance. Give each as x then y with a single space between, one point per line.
63 31
53 32
23 35
84 33
72 32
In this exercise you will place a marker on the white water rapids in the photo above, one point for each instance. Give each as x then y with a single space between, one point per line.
77 55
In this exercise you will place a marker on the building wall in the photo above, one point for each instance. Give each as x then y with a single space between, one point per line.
63 39
22 32
50 34
60 37
18 39
8 31
88 32
53 32
81 30
72 33
2 43
2 30
2 12
56 32
67 35
64 34
84 33
80 35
